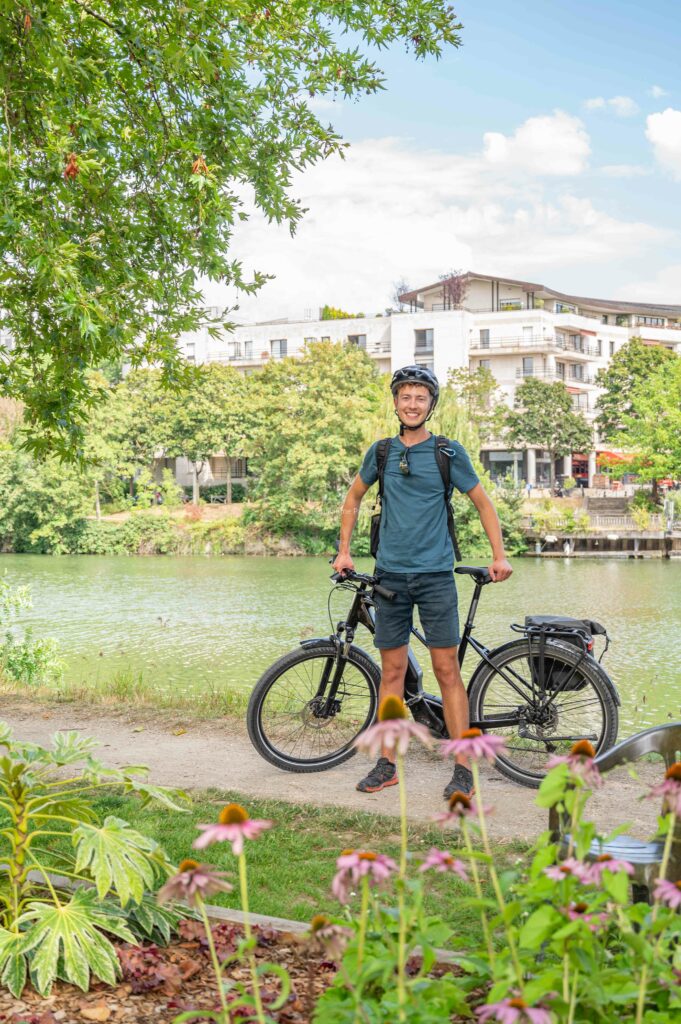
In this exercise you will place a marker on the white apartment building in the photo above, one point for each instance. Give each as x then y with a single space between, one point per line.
516 329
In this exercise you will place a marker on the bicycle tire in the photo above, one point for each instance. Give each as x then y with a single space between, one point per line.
588 706
358 694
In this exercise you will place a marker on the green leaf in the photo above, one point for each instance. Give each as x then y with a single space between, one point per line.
68 939
539 927
616 885
70 747
117 857
12 961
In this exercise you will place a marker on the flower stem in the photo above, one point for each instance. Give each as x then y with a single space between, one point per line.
402 926
478 892
364 913
201 906
573 998
243 886
666 854
494 878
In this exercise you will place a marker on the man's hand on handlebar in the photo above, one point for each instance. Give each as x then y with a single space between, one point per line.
499 570
342 563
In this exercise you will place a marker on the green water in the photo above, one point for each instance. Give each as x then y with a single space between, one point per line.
197 625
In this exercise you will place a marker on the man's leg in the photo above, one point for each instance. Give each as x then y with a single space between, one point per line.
454 697
393 670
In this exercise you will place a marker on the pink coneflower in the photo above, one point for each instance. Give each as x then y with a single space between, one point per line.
580 761
354 865
608 863
668 893
475 744
580 912
570 867
442 861
508 1011
326 938
670 789
460 806
393 731
233 826
193 881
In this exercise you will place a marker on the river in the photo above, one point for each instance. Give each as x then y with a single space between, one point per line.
199 624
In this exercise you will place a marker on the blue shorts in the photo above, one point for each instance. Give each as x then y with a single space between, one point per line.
433 593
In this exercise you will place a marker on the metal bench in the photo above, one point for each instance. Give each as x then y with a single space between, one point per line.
664 740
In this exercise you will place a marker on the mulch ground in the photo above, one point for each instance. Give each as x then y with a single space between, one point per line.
158 983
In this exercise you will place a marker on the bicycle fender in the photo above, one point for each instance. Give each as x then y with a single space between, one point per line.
594 666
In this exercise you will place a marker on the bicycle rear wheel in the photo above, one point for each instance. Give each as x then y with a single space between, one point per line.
541 727
284 721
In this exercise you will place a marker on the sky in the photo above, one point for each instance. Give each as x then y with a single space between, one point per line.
547 148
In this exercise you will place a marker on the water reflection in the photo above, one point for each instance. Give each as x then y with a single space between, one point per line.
199 624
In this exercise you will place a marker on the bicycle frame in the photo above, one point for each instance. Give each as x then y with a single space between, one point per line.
425 707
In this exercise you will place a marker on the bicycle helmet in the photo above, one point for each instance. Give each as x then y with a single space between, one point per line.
416 375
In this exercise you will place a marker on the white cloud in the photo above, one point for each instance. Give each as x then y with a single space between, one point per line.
623 170
621 106
664 287
657 92
663 130
392 209
546 145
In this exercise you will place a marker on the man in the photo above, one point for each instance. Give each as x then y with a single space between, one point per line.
415 557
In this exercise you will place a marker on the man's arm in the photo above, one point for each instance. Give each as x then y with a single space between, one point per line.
349 513
500 569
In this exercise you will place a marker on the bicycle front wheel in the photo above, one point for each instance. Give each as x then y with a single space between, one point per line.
288 722
576 704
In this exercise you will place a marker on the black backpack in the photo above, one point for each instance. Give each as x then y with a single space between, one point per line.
442 454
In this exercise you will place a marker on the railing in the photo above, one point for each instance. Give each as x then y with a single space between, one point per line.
596 522
517 344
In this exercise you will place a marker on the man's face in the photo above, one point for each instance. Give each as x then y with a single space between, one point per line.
412 404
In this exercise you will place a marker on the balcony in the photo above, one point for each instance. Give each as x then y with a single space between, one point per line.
526 344
550 375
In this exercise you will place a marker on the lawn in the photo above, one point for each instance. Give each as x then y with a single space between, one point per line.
291 866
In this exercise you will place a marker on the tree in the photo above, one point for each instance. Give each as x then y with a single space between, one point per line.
542 417
399 288
477 390
131 137
631 365
454 288
308 421
333 313
652 427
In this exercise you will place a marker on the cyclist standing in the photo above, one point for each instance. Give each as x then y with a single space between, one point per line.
415 556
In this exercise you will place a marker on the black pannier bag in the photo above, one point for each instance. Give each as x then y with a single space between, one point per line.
578 632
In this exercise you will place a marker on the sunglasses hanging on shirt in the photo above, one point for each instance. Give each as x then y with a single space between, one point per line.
404 462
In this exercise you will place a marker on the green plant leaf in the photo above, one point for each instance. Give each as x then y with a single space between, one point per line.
539 927
12 961
70 747
117 857
68 939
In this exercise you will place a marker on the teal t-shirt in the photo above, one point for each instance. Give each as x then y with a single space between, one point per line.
414 535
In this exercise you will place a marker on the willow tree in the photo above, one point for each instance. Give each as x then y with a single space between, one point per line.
133 137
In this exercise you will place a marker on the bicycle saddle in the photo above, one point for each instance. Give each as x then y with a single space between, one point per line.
478 572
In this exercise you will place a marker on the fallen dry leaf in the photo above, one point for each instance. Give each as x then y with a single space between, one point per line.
98 1012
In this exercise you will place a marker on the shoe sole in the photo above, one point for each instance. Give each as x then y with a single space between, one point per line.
376 789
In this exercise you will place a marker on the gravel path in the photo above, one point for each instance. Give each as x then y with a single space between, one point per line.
218 754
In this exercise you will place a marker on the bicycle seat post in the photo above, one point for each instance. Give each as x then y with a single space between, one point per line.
470 619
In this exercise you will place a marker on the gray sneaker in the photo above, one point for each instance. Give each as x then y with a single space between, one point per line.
383 774
461 780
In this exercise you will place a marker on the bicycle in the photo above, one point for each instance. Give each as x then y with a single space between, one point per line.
543 692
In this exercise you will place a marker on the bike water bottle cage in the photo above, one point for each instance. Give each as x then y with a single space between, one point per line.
443 453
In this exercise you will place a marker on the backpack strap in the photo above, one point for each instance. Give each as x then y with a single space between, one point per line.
443 454
382 451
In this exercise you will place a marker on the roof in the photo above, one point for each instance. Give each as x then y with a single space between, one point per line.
655 309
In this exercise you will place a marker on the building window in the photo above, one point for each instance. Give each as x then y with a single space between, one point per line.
426 364
577 372
278 348
560 370
599 347
576 342
326 337
190 352
234 350
580 402
248 350
508 305
423 340
651 321
360 340
309 340
484 338
563 307
485 364
612 348
528 366
604 318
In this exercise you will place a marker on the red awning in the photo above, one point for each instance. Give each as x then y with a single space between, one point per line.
616 456
582 331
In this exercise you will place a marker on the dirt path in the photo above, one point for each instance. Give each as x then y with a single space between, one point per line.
199 755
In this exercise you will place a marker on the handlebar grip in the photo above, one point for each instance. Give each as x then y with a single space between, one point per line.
389 595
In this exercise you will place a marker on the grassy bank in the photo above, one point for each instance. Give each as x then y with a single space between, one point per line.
291 867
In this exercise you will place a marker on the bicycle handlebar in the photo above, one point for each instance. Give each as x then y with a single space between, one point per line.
360 577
